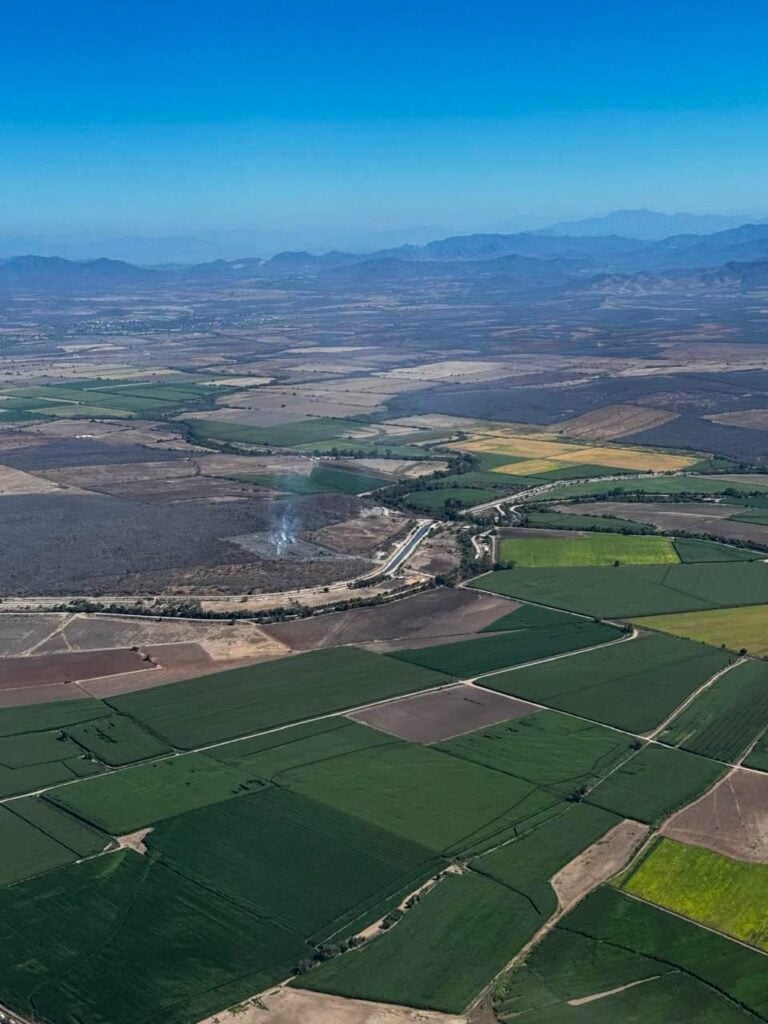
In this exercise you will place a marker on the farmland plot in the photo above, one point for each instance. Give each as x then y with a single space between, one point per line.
117 740
474 657
632 686
736 629
122 940
595 549
441 953
655 782
635 590
444 803
122 802
25 850
726 719
83 840
553 751
312 869
259 697
727 895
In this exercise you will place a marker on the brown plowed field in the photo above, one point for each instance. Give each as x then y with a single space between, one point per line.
613 421
434 614
16 673
21 634
731 819
442 714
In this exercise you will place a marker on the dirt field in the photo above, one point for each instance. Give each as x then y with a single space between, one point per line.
598 862
752 419
363 535
433 615
699 517
82 632
291 1006
731 819
43 670
22 634
431 717
16 481
613 421
437 554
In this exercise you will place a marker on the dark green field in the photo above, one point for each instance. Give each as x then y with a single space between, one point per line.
528 863
727 718
631 590
691 550
122 802
122 940
256 849
46 717
573 521
473 657
117 740
82 839
459 497
25 850
443 951
655 782
248 700
444 803
323 479
558 753
633 685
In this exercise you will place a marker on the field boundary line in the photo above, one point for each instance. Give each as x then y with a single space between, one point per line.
692 697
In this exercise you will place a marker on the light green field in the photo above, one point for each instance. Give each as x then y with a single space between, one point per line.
728 895
595 549
734 628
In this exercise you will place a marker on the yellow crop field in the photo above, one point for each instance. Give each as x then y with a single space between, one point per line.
529 467
628 458
526 447
737 628
545 455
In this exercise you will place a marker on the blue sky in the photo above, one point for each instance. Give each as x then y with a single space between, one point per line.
331 118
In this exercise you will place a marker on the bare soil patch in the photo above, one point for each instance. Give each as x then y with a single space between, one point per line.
752 419
219 640
431 717
613 421
16 481
363 535
598 862
435 615
438 554
22 634
111 686
46 694
731 819
292 1006
17 673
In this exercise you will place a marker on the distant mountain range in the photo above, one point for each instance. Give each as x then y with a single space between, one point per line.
646 225
532 260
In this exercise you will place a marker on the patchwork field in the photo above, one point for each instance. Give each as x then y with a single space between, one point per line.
554 454
724 894
633 685
252 699
590 550
734 628
635 590
726 719
443 951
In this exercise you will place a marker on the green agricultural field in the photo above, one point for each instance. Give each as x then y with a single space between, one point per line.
727 895
724 721
733 628
46 717
275 752
655 485
310 868
441 953
758 758
474 657
282 435
25 850
460 497
122 940
635 590
124 801
117 740
28 779
259 697
83 840
609 916
758 517
527 863
444 803
567 966
691 550
568 521
37 748
595 549
655 782
634 685
554 751
531 616
323 479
